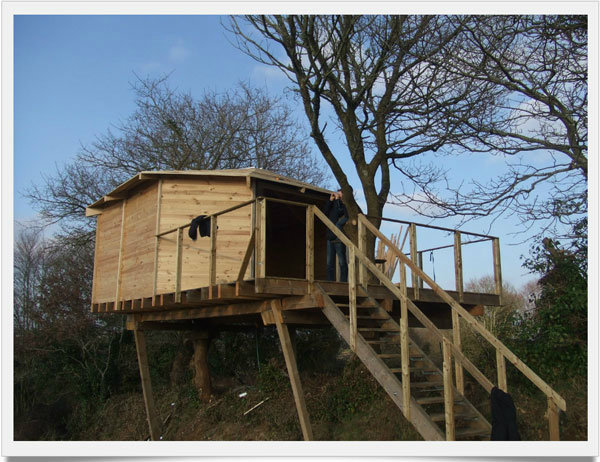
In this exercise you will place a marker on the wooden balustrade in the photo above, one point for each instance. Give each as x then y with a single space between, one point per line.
404 344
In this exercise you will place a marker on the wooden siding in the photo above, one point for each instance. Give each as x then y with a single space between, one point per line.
137 271
184 199
106 259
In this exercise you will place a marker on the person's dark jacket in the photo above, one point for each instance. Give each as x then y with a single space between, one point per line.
337 213
504 417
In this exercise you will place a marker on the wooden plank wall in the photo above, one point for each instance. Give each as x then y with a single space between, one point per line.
106 258
137 272
184 199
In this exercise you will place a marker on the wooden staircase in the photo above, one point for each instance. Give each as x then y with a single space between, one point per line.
437 408
379 348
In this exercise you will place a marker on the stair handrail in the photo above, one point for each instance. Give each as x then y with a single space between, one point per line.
508 354
554 399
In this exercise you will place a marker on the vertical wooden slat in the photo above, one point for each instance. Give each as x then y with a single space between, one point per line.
179 265
142 357
95 272
290 361
553 420
501 365
212 262
458 266
310 247
262 238
120 261
156 241
414 258
404 345
362 246
497 267
352 296
448 390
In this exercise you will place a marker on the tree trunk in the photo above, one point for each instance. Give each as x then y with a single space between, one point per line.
200 366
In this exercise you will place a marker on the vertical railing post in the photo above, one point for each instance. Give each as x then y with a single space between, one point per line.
458 266
404 345
179 265
310 247
352 296
420 260
501 366
212 262
362 246
156 242
261 235
448 390
414 257
553 420
456 338
497 268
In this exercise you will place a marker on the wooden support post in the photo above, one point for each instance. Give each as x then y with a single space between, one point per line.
460 380
261 241
414 258
120 261
156 242
290 361
142 356
458 266
362 246
501 365
310 247
420 259
497 268
448 390
553 421
212 262
352 297
179 265
404 345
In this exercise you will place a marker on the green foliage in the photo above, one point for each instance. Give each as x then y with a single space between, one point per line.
553 337
348 394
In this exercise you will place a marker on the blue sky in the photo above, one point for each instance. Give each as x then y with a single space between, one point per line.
72 79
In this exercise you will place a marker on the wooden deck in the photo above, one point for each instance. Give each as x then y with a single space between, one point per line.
253 298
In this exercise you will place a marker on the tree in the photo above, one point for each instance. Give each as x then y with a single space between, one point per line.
171 130
538 68
375 74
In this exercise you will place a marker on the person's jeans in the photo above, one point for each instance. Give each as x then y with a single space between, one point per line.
336 247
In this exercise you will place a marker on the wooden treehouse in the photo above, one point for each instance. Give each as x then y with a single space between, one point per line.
264 262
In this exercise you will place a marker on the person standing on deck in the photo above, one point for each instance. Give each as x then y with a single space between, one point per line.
337 213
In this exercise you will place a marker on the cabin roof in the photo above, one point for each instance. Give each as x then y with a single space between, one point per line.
120 192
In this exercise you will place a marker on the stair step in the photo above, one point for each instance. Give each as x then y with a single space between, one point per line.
398 370
389 355
435 400
381 341
441 416
466 432
378 329
374 318
347 305
436 385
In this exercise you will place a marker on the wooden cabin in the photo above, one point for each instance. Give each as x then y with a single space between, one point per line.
264 262
132 263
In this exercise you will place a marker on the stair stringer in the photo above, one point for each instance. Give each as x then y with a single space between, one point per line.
482 421
380 371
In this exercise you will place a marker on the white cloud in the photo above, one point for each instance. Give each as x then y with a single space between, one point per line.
178 52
